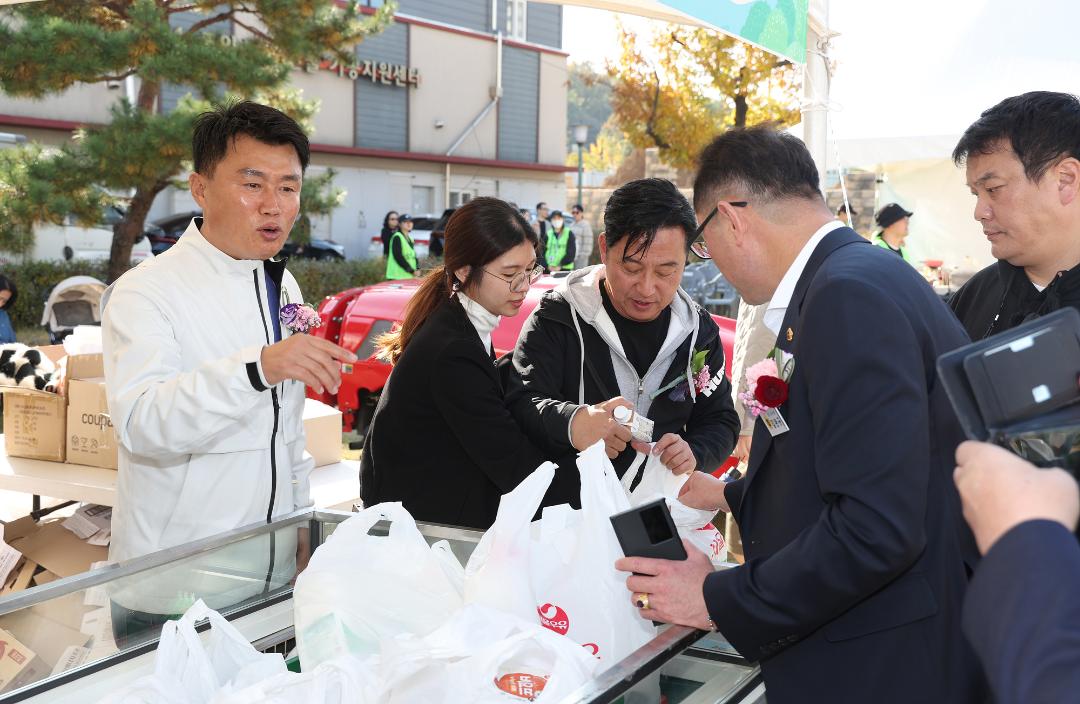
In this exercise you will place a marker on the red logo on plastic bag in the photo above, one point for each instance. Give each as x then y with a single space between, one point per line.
522 684
593 648
554 618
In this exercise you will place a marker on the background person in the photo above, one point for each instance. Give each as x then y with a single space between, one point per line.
9 293
560 248
583 237
402 263
1022 160
389 227
893 221
442 440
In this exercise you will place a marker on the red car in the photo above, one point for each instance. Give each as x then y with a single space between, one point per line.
356 317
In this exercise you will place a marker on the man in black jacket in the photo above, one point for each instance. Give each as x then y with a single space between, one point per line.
1023 166
625 328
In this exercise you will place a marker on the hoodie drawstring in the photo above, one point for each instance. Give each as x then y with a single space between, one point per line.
581 371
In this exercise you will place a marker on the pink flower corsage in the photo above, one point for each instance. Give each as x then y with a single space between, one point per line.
299 317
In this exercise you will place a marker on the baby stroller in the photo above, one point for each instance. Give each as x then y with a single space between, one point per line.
74 301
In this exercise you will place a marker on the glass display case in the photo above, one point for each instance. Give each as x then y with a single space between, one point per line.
57 643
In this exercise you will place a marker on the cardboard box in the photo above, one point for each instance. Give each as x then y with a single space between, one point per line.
18 664
91 438
34 426
322 432
58 550
35 422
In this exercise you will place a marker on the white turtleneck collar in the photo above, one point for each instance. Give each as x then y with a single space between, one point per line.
482 319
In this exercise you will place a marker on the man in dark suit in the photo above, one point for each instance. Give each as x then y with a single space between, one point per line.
851 525
1022 612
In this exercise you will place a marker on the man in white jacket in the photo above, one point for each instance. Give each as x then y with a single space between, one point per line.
206 385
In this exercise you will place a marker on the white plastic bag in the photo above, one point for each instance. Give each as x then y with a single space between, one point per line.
192 670
359 589
344 680
482 655
560 571
695 525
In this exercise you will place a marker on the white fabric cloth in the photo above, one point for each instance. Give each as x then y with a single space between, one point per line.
753 341
482 319
200 449
777 308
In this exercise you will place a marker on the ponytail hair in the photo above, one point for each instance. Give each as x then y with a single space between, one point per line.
433 292
477 233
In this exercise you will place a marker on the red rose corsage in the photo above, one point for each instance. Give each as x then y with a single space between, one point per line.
770 391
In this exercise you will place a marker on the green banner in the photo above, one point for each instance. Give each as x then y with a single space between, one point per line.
776 25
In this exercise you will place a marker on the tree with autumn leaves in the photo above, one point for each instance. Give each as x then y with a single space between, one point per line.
223 49
691 84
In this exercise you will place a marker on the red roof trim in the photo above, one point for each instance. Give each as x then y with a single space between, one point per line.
41 123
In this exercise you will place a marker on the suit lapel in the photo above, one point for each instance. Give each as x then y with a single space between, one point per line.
762 441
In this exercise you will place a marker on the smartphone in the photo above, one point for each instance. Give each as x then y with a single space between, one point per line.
648 531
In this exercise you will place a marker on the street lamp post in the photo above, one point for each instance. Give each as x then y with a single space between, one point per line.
581 135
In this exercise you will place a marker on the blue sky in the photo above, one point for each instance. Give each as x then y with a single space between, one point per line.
918 67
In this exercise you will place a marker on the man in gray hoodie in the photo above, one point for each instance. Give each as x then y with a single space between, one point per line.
626 328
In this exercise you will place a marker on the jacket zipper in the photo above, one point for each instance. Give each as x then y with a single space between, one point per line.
273 445
277 409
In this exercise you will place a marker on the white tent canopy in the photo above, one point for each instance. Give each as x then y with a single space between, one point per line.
919 174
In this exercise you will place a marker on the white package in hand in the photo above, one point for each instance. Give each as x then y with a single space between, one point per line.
560 571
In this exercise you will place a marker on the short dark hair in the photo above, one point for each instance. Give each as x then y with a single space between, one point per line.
762 161
577 206
216 129
638 209
7 284
1041 127
541 204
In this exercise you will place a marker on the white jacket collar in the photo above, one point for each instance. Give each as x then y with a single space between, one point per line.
220 261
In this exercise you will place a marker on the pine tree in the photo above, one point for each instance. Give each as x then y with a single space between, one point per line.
233 49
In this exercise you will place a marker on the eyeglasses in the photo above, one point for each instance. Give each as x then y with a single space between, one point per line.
522 281
700 248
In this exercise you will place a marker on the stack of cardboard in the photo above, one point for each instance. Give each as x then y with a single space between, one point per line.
61 633
73 425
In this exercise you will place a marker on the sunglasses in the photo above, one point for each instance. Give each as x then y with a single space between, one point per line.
700 248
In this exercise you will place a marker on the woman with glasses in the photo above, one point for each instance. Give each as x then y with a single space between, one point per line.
443 441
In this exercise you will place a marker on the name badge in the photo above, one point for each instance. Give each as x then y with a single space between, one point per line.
774 422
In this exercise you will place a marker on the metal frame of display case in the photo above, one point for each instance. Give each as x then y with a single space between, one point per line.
673 642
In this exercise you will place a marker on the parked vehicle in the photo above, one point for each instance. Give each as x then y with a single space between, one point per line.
356 317
172 226
70 240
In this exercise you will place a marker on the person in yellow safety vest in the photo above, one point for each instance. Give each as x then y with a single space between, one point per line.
893 221
401 264
561 246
